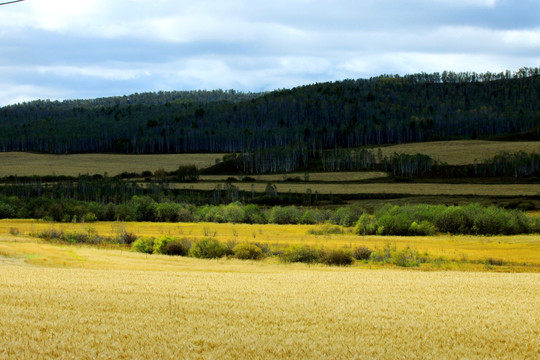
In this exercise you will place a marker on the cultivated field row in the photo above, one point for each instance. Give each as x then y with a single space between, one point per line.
382 188
459 152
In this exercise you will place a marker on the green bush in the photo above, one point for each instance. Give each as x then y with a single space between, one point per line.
346 216
234 213
338 257
168 211
161 242
143 245
423 228
300 253
308 218
177 247
208 248
406 257
284 215
90 217
247 251
395 222
366 225
254 215
362 253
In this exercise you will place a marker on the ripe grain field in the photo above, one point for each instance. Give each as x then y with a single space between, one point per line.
170 308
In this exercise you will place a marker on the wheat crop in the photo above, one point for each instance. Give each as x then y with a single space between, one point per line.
201 309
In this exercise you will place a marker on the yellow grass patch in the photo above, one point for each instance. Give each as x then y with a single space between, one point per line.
227 309
27 164
516 249
462 152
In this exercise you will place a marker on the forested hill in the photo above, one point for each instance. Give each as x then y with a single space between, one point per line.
350 113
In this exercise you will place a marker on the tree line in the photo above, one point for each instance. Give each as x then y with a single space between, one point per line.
343 114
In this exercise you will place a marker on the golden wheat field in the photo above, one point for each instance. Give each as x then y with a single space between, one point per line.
158 307
28 164
462 152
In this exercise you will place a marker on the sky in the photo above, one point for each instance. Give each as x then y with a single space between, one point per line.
67 49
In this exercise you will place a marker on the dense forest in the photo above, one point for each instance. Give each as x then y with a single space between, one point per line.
306 119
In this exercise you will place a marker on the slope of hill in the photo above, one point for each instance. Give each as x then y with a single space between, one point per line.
350 113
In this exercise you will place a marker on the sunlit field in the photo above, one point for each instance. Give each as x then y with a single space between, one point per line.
28 164
121 305
517 249
462 152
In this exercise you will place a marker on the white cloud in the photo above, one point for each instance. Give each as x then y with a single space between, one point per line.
89 48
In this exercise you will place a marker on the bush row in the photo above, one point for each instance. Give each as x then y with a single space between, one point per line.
209 248
388 220
431 219
144 208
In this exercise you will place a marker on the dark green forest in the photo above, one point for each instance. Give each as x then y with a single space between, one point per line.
305 120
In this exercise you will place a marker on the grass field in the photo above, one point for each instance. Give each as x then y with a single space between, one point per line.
148 307
459 152
27 164
519 249
462 152
383 188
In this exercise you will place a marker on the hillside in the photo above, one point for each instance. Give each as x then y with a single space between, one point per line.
349 113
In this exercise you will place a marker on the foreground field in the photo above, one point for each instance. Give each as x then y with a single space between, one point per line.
164 307
517 250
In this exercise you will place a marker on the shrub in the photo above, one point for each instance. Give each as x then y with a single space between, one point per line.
247 251
362 253
90 217
234 213
308 218
338 257
395 222
254 215
208 248
423 228
366 225
284 215
326 229
346 216
177 247
168 211
406 257
126 238
161 242
300 253
491 221
143 245
452 220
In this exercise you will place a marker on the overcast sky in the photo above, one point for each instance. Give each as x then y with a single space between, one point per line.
66 49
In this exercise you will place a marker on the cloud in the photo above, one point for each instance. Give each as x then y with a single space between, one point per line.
88 48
